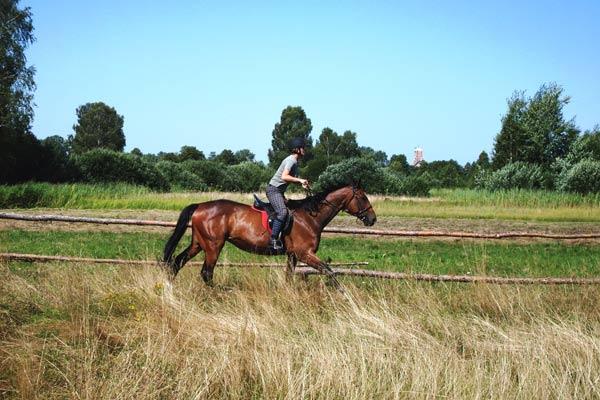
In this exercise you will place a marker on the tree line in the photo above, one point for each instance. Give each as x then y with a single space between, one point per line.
536 147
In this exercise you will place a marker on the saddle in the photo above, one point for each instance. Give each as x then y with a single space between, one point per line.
269 214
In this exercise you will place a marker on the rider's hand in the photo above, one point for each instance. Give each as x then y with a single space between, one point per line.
305 183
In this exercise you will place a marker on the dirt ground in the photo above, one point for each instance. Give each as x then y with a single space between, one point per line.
344 221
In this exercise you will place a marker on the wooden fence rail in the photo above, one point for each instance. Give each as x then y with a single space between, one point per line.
340 271
118 261
118 221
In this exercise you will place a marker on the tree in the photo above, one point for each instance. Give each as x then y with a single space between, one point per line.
226 157
511 143
190 153
21 156
550 135
444 173
586 146
327 146
477 171
335 148
56 159
244 155
20 151
16 78
378 156
98 126
293 123
534 130
168 156
399 164
331 148
483 161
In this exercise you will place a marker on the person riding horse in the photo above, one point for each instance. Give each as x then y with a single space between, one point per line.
217 222
286 173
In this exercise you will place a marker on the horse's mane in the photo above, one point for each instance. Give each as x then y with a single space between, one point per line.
311 203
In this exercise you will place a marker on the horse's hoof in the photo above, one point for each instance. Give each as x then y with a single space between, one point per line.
224 288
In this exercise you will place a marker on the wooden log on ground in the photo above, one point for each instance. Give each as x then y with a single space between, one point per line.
470 235
88 220
454 278
305 271
117 261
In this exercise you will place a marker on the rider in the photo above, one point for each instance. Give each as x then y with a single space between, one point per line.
286 173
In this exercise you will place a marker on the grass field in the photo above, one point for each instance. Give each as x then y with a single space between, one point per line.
104 332
436 257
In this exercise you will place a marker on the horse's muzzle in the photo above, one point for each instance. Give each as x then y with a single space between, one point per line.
369 220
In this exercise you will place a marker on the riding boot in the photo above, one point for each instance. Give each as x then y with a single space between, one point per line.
276 244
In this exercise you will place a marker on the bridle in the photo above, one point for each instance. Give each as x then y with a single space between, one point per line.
361 214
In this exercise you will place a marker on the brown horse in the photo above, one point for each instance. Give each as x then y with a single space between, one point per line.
218 221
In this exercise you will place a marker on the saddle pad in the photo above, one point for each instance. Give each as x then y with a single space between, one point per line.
265 219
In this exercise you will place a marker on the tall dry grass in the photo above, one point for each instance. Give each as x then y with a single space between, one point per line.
124 333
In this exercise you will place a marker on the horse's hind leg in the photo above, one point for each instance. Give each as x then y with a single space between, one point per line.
183 257
212 251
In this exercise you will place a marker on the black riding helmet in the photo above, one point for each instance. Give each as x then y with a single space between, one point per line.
296 143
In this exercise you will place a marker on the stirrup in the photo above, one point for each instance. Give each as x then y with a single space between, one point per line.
276 245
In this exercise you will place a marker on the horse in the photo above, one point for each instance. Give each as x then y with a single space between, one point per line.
219 221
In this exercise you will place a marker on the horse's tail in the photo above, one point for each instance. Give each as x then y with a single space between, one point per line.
180 229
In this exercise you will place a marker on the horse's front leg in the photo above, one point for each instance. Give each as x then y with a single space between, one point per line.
312 260
291 266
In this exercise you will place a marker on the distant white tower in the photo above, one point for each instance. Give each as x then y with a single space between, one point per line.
418 157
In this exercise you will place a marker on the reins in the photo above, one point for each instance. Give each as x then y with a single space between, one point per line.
361 214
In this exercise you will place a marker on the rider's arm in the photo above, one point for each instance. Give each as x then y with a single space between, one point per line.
285 175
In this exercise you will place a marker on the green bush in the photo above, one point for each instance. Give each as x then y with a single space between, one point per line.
102 165
416 185
359 171
583 177
179 177
374 179
586 146
212 173
391 183
24 195
443 174
246 177
520 175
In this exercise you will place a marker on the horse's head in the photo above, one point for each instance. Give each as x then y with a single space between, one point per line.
359 206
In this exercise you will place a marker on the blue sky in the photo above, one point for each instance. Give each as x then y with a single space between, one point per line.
217 75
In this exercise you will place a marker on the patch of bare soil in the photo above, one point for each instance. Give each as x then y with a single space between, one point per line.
343 221
471 225
147 215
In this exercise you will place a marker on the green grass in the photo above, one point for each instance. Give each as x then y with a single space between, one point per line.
444 203
98 197
438 257
516 198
